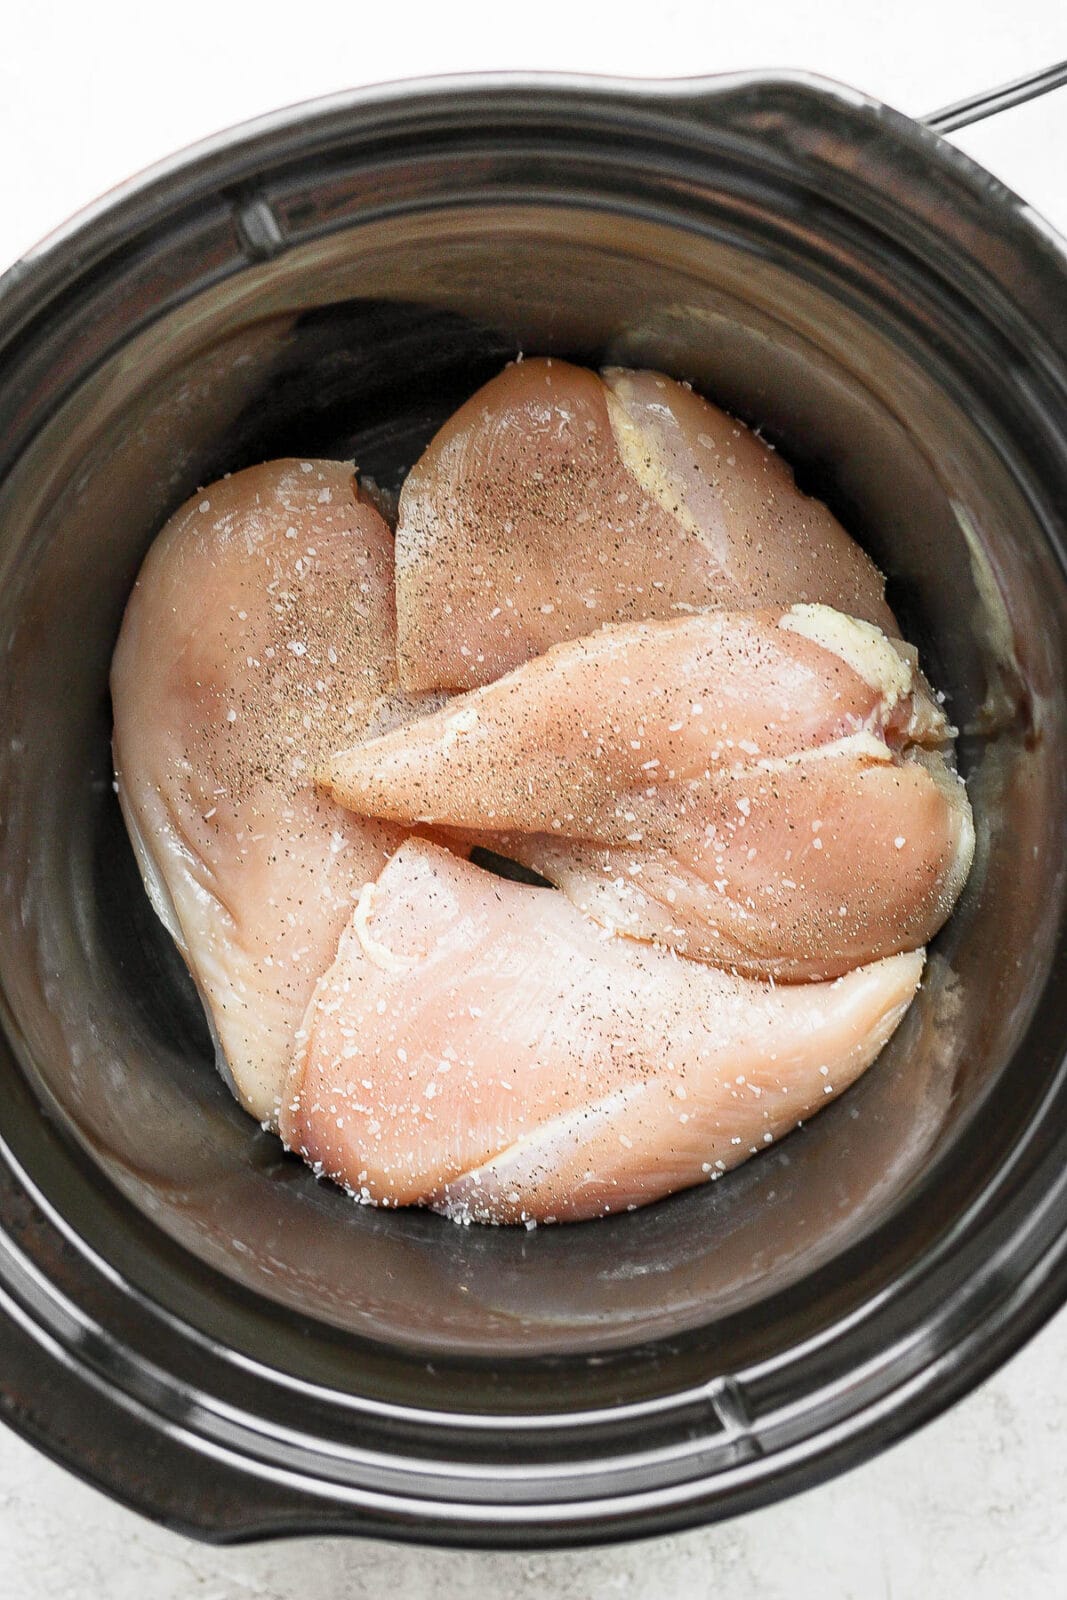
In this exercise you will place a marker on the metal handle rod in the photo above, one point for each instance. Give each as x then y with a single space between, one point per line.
977 106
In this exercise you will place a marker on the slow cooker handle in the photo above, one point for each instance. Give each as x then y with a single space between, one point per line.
992 101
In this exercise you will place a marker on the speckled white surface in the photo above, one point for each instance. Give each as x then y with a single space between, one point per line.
973 1506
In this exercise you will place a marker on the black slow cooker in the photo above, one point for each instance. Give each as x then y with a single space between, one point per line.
187 1318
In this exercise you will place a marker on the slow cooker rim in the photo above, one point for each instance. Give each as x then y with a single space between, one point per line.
232 155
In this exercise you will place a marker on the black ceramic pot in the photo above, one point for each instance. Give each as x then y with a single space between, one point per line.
187 1318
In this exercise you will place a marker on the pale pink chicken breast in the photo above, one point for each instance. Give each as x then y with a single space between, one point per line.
555 501
766 790
479 1046
260 632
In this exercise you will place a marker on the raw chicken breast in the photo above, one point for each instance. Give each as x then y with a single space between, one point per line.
480 1047
260 632
555 501
765 790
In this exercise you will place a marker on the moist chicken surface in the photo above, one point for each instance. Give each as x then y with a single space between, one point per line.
557 500
480 1046
259 632
766 790
683 702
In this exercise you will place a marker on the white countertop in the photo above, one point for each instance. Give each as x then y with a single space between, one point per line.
971 1506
